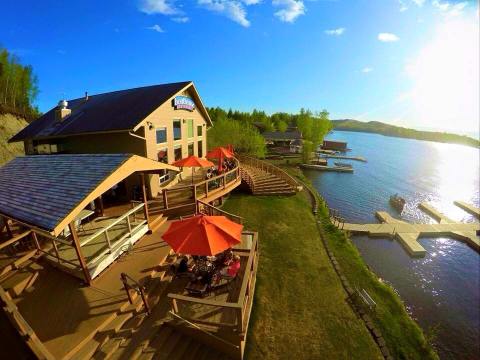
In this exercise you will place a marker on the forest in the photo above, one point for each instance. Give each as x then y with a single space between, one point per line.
241 128
18 87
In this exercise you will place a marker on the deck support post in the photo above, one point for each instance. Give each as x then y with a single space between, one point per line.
35 239
165 198
9 231
145 201
99 205
78 250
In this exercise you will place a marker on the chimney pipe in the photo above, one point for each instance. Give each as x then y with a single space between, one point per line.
62 111
86 95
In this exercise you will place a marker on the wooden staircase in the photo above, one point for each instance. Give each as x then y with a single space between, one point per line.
263 182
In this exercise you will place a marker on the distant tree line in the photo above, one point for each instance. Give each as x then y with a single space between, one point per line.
18 86
242 128
397 131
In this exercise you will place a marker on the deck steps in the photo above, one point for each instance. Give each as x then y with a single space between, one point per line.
266 183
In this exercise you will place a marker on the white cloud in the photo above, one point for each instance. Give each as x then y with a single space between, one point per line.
388 37
418 2
449 8
165 7
232 9
403 6
181 19
156 28
336 32
367 69
290 10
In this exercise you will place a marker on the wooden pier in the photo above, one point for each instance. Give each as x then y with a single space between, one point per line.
333 156
408 234
468 208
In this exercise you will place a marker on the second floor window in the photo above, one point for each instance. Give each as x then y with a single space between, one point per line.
177 129
190 127
199 130
161 135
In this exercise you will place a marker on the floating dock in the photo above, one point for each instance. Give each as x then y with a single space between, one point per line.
332 156
407 234
468 208
327 168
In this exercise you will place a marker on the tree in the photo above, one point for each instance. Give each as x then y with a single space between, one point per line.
281 126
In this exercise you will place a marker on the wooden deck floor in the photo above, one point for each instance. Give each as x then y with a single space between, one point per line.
64 313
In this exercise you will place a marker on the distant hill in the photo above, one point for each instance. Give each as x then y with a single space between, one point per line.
9 126
378 127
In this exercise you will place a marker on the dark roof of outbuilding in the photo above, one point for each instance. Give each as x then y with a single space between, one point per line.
278 135
118 110
42 190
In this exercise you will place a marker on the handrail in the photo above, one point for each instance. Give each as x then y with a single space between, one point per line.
15 239
203 331
236 218
109 226
273 169
232 305
136 287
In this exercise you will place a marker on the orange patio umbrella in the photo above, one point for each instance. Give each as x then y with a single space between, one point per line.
219 153
203 235
193 161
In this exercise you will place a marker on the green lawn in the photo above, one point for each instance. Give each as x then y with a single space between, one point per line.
300 310
405 339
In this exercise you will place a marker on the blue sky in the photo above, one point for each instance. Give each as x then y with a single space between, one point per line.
409 62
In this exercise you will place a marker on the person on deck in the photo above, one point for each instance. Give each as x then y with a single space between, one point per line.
232 269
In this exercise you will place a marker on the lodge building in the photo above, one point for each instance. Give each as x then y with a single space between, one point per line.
164 122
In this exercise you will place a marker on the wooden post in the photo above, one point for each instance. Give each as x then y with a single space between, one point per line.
224 180
145 201
78 250
100 205
35 239
144 299
9 231
125 286
165 200
56 250
174 306
195 193
206 188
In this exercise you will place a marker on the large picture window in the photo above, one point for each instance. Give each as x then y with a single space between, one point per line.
162 156
161 135
177 129
190 127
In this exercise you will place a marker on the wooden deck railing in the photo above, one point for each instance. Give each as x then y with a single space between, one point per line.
130 284
207 209
182 196
272 169
240 309
22 327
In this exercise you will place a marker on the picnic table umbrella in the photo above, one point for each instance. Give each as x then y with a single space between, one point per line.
203 235
193 161
219 153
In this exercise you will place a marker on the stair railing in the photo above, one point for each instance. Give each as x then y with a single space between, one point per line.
135 286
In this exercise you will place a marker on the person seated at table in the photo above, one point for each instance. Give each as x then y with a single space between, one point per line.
224 257
232 269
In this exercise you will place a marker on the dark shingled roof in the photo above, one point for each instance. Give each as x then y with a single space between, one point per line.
278 135
118 110
42 190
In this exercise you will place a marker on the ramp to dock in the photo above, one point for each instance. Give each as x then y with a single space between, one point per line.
407 234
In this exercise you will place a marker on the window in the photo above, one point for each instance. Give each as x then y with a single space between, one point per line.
162 156
161 135
190 127
178 153
190 149
199 130
200 149
177 129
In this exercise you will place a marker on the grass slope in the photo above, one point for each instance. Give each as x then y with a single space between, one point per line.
300 310
9 126
404 337
377 127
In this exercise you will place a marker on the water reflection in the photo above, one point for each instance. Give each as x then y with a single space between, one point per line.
443 287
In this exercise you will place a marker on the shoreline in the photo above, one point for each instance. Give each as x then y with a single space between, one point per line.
366 131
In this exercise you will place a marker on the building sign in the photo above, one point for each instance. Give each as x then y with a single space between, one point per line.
183 102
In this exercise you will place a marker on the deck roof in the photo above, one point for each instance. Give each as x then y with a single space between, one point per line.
48 191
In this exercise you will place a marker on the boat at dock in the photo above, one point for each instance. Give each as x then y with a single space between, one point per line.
327 168
397 202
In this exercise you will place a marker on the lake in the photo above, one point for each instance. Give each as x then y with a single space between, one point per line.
442 289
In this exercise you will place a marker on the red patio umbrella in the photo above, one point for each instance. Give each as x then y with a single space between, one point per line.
219 153
203 235
193 161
